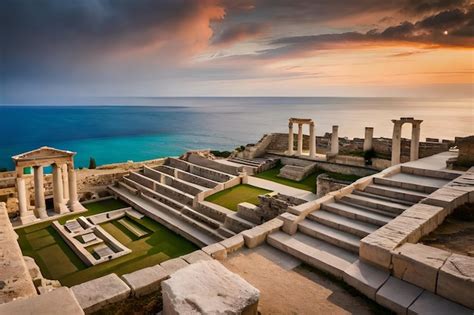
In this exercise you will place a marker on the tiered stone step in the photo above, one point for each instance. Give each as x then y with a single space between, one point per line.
245 161
358 213
342 223
369 194
184 186
374 202
314 252
330 235
193 230
413 182
401 194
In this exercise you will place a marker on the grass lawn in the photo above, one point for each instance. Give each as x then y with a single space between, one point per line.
309 183
231 197
57 261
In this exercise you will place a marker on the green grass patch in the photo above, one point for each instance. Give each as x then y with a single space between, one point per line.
57 261
308 183
231 197
343 177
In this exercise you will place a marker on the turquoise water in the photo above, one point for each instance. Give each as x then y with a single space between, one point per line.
147 128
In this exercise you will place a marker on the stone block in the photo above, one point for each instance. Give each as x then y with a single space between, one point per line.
233 243
258 234
448 198
290 223
397 295
173 265
430 217
366 278
146 280
216 251
207 287
56 302
376 247
456 280
418 264
95 294
431 304
196 256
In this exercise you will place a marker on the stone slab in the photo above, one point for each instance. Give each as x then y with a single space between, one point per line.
146 280
95 294
207 287
290 223
431 304
57 302
418 264
196 256
397 295
173 265
366 278
216 251
233 243
456 280
257 235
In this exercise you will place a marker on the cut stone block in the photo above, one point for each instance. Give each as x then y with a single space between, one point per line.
173 265
233 243
290 223
397 295
429 216
448 198
146 280
56 302
258 234
216 251
419 264
207 287
365 278
95 294
376 247
456 280
196 256
429 303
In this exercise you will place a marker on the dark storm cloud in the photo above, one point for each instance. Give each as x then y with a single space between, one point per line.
431 6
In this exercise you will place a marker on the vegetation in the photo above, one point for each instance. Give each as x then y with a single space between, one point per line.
3 169
369 155
308 183
231 197
92 164
223 154
58 261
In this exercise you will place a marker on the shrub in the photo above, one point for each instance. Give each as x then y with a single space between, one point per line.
92 164
369 155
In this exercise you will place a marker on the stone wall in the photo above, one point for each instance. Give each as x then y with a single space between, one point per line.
326 184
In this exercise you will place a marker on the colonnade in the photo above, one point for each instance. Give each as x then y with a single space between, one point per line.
299 146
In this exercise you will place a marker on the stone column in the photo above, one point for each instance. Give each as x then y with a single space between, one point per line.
369 135
40 203
25 215
73 203
396 141
415 141
64 173
312 141
291 141
300 140
335 140
58 194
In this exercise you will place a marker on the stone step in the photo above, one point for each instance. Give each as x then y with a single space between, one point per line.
237 224
200 217
381 197
225 232
151 193
358 228
245 162
396 193
412 182
328 234
182 185
314 252
356 213
368 209
375 203
171 221
448 175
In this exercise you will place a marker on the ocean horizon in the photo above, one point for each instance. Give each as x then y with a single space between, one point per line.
115 130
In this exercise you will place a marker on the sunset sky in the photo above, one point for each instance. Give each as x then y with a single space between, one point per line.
57 49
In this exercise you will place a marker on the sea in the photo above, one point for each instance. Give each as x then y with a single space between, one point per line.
114 130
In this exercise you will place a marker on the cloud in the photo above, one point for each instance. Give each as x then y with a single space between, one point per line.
419 7
238 33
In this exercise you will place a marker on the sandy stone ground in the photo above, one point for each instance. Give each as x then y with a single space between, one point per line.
286 287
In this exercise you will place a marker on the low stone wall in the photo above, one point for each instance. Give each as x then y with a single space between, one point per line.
133 165
198 180
326 184
202 161
258 149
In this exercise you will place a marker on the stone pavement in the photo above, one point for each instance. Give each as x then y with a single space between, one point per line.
282 189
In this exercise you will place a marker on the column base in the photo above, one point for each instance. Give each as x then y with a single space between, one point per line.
28 218
41 213
61 209
77 207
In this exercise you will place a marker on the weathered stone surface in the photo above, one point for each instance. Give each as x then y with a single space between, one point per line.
95 294
376 247
233 243
365 278
57 302
448 198
290 223
418 264
258 234
146 280
397 295
173 265
216 251
431 304
207 287
430 217
456 280
196 256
